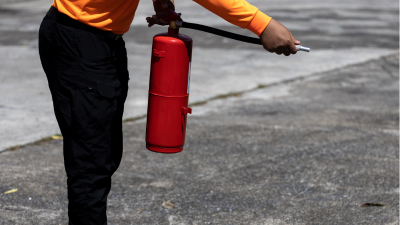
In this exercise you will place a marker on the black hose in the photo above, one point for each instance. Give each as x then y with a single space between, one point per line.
221 33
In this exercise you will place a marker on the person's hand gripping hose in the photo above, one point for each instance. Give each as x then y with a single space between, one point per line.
276 38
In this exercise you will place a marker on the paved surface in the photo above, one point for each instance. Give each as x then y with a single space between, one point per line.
307 152
339 33
319 140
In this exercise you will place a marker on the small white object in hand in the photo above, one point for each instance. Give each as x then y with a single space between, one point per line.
302 48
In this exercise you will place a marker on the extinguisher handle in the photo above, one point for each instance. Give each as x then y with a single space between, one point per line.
171 14
186 110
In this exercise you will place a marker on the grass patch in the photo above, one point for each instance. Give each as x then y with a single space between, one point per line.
198 103
39 142
261 86
224 96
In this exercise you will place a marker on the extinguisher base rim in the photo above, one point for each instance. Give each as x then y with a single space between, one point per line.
163 149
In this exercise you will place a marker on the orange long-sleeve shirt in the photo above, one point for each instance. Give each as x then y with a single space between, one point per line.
117 15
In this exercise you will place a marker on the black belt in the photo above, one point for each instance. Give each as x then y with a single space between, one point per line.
68 21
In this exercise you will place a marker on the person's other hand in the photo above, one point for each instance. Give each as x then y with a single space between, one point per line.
165 4
277 38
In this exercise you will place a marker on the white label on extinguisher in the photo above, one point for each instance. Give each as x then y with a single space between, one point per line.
189 78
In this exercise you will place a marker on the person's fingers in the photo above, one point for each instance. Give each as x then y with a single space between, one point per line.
268 49
163 22
160 20
155 19
285 50
149 21
292 48
295 41
278 52
293 51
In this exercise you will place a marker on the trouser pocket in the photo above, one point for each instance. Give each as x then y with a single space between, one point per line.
86 110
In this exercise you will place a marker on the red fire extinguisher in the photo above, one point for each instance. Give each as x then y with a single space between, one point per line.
169 89
170 81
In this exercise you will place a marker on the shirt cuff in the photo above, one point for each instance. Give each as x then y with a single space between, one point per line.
259 22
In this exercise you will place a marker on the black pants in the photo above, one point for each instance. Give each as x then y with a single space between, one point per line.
88 80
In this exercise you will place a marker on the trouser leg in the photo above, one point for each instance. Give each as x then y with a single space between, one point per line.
91 158
89 89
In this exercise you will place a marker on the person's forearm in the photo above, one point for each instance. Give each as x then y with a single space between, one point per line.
239 13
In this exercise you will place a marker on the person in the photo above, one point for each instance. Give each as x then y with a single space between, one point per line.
83 54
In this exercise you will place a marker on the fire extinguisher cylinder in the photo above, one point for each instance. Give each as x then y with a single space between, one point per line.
168 92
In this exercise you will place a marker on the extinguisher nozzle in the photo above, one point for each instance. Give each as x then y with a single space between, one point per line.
302 48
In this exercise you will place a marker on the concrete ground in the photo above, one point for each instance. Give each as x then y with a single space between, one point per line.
310 151
305 139
339 33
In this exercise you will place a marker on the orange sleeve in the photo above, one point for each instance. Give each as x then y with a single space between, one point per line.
239 13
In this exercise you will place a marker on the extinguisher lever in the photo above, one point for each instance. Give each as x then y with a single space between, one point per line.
171 14
186 110
160 54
